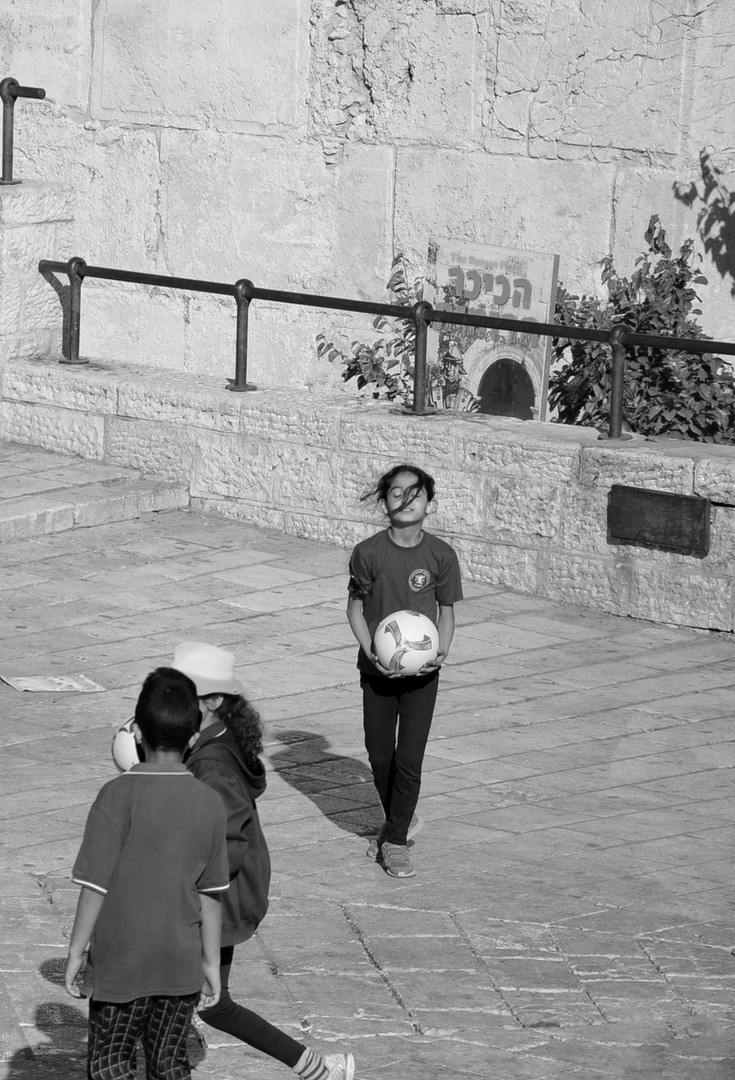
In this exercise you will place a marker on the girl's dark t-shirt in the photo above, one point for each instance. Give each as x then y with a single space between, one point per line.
388 578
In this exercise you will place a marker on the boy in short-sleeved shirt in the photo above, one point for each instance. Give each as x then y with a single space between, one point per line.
152 864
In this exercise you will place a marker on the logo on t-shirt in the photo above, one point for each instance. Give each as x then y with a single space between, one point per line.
419 579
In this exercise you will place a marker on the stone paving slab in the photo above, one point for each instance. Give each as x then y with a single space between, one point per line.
572 911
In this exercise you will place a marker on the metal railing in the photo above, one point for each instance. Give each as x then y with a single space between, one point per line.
9 91
618 337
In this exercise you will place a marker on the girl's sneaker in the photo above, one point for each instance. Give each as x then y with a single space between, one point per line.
396 861
373 851
341 1066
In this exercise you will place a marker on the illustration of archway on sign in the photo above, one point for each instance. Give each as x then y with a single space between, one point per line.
508 283
506 389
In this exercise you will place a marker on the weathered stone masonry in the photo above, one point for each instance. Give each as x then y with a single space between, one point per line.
524 503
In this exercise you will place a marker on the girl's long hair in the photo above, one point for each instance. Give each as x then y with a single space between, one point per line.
243 720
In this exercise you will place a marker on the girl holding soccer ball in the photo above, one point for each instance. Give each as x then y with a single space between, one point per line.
402 567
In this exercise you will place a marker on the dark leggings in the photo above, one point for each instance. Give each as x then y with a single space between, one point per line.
247 1026
405 704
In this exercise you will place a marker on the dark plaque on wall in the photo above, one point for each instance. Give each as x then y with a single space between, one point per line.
658 519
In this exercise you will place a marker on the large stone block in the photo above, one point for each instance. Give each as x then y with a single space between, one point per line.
586 580
289 418
498 564
234 467
722 540
263 517
27 302
375 430
186 64
48 45
133 323
522 510
423 67
522 451
282 218
62 430
686 598
714 477
36 202
162 450
556 68
181 402
115 173
636 465
712 111
485 198
459 507
83 389
584 519
343 533
309 479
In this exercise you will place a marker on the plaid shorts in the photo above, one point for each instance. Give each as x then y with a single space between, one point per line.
161 1023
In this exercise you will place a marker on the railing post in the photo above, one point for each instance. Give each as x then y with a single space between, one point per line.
243 292
421 314
9 91
617 381
75 270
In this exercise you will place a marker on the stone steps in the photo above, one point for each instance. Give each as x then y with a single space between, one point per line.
43 492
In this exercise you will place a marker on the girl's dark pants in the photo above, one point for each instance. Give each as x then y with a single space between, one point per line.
247 1026
397 716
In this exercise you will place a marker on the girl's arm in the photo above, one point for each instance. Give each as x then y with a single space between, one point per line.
359 628
211 933
89 906
445 626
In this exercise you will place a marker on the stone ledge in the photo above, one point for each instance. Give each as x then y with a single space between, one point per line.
523 502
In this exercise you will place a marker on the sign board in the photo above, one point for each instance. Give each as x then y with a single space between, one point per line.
500 372
658 519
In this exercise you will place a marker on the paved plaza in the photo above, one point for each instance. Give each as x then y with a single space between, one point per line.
572 910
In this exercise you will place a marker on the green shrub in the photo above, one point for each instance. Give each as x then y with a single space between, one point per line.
386 364
667 392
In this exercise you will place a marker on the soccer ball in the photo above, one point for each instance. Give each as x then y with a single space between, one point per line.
405 641
125 750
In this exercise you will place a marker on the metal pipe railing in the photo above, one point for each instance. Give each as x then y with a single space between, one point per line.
9 91
618 337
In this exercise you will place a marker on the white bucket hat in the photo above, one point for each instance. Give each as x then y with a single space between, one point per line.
210 668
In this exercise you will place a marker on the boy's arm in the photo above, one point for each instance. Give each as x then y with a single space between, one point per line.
89 906
211 934
359 628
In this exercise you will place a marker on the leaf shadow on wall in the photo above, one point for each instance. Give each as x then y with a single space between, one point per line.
340 787
716 216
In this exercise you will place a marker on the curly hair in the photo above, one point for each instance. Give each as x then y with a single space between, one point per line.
243 720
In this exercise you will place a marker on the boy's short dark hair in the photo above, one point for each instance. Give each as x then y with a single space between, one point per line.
167 711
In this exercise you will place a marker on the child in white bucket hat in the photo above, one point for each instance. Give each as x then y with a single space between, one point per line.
226 756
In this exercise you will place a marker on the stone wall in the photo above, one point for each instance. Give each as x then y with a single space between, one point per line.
524 503
302 143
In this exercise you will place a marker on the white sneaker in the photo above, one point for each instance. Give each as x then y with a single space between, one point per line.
341 1066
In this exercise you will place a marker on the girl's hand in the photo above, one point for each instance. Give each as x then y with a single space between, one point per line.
75 966
384 670
433 665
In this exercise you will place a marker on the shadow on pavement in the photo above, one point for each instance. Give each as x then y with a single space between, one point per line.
340 787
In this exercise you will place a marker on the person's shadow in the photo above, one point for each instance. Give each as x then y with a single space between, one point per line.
63 1053
340 787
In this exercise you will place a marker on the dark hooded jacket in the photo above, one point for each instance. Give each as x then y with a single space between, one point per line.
216 761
